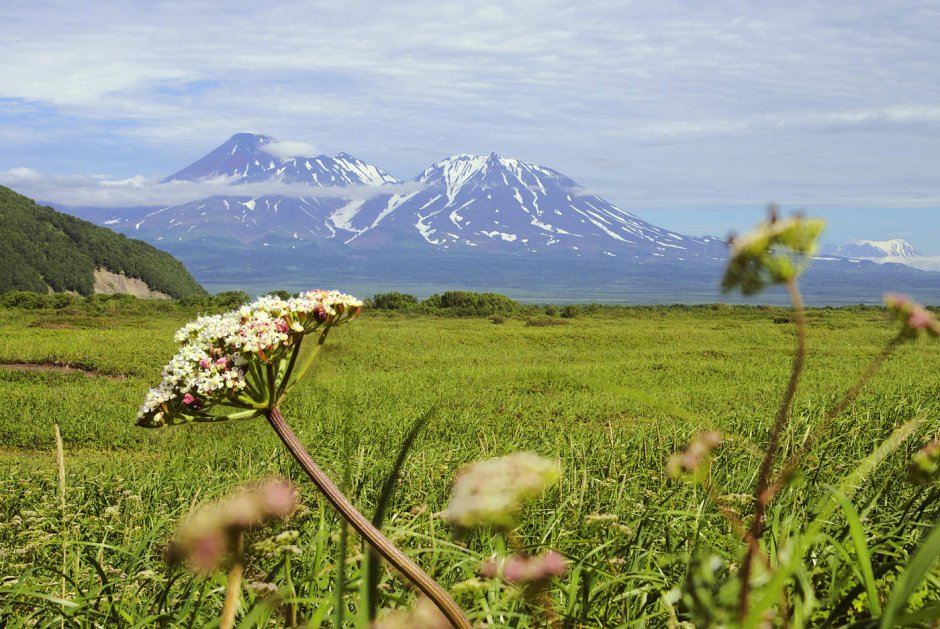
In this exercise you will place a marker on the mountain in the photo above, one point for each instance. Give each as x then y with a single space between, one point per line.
266 212
251 158
492 203
265 219
894 248
44 250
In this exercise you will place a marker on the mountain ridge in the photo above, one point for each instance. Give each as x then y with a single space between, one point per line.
45 250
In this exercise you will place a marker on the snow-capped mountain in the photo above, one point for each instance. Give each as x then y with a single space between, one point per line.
488 202
894 248
271 209
251 158
464 202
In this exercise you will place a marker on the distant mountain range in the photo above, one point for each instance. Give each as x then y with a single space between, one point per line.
468 221
894 248
468 202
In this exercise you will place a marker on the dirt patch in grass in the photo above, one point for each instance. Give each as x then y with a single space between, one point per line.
61 368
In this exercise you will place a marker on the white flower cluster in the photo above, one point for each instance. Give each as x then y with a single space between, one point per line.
215 351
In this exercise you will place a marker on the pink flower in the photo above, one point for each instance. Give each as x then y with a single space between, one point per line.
914 318
204 541
204 363
526 569
188 399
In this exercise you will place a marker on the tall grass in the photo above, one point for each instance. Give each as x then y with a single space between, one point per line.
612 395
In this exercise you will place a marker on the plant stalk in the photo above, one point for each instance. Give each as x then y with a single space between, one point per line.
830 416
60 465
428 586
763 494
234 586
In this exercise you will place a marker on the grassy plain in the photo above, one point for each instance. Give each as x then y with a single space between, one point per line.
611 394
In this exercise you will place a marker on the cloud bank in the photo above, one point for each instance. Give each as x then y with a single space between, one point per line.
289 149
83 191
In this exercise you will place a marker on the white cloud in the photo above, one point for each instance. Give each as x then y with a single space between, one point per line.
290 149
924 263
139 191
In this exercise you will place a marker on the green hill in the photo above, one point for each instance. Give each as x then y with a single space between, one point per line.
42 249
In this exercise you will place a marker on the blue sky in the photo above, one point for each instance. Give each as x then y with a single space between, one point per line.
692 115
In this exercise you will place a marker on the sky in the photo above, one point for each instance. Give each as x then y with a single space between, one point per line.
692 115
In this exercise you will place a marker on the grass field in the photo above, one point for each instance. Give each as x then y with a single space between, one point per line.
611 395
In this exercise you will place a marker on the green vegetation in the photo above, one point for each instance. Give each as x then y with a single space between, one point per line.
43 250
613 394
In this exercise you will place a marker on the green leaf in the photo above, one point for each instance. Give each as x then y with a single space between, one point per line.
917 568
863 557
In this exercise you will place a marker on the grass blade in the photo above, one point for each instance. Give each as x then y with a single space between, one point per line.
771 592
863 557
920 564
373 561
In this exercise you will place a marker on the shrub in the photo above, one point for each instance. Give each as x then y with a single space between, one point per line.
394 301
24 299
230 299
541 322
470 304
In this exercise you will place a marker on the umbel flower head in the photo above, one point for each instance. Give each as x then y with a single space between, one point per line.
244 359
774 253
492 491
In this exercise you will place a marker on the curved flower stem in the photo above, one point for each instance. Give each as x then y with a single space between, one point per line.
286 385
823 426
763 494
232 589
428 586
285 376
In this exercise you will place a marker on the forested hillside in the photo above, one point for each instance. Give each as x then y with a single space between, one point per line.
41 248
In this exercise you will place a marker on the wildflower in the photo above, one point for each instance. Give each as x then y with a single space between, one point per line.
472 585
423 615
774 253
524 569
280 544
492 491
206 539
924 467
914 318
691 458
219 356
262 588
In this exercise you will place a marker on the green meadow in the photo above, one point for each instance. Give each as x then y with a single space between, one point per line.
611 392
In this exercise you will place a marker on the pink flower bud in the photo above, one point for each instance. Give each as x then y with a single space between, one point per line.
520 569
914 318
204 541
